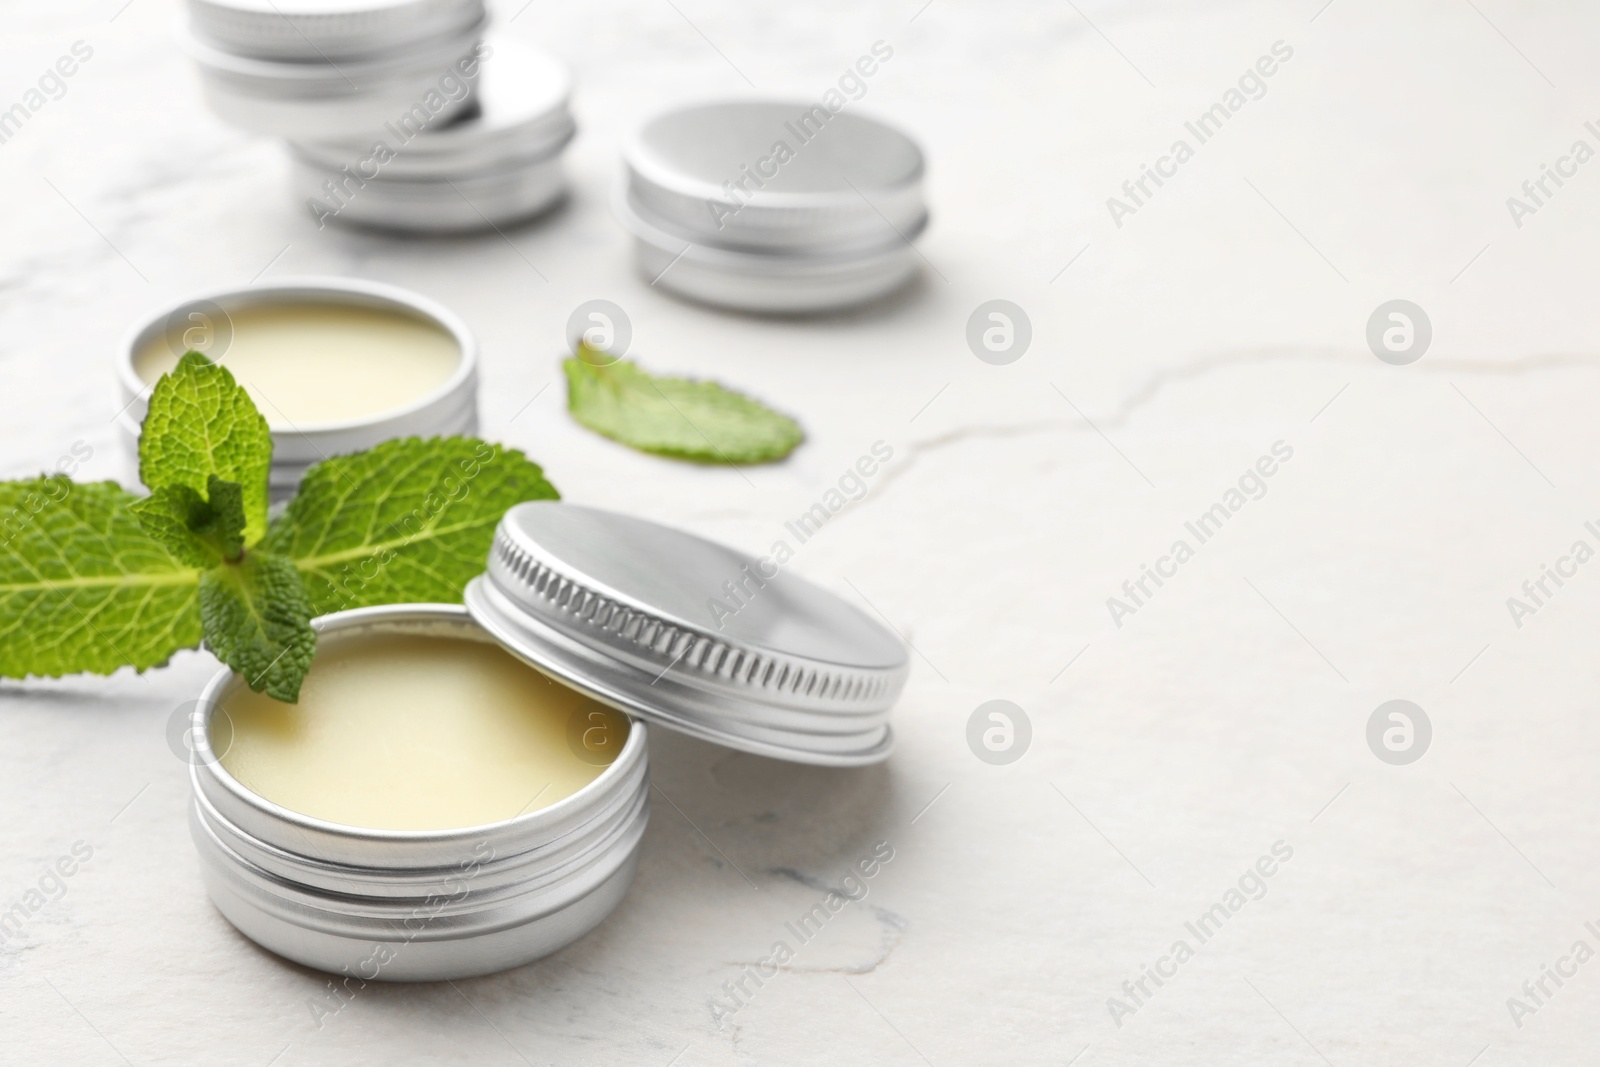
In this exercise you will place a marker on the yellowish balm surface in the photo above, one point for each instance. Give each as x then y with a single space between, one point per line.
403 732
309 364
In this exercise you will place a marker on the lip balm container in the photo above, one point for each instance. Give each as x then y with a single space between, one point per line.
411 905
335 365
317 69
773 206
498 164
620 613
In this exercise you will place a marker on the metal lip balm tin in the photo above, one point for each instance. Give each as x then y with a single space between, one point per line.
499 163
411 905
450 409
623 610
340 70
611 606
773 206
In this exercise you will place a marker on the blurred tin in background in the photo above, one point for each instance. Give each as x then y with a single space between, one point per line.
498 163
397 114
773 206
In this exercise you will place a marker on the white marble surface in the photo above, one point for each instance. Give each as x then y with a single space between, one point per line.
1226 715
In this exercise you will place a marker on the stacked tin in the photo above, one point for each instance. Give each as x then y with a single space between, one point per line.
397 112
498 163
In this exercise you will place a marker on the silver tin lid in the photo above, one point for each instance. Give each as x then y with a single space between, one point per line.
690 634
775 176
324 30
520 118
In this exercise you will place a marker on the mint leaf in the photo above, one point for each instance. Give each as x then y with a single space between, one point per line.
676 417
258 621
199 530
202 423
83 587
408 521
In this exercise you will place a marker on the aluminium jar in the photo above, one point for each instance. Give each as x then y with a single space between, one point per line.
413 905
617 612
773 206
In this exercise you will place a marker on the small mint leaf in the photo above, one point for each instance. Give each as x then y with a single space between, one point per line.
200 531
202 423
408 521
676 417
258 621
83 587
224 527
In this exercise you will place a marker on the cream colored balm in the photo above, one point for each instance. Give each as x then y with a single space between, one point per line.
406 732
312 363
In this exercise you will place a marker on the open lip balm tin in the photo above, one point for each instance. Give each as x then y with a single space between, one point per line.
413 905
773 206
616 608
213 323
314 68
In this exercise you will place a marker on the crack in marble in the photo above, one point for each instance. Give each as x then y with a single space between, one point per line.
810 881
892 925
892 928
1162 379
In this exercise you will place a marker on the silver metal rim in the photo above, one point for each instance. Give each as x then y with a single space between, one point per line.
435 206
437 163
755 259
427 55
207 771
774 291
459 390
525 99
416 960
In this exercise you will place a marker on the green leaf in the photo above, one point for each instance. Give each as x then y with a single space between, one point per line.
408 521
202 423
198 530
258 621
675 417
83 587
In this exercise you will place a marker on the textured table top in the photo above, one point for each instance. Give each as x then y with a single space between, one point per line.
1186 738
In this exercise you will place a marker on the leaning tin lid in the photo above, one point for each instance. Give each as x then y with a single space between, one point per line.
690 634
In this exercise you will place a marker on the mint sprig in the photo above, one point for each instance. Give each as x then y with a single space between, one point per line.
677 417
202 423
204 452
257 620
93 577
409 521
83 587
200 530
